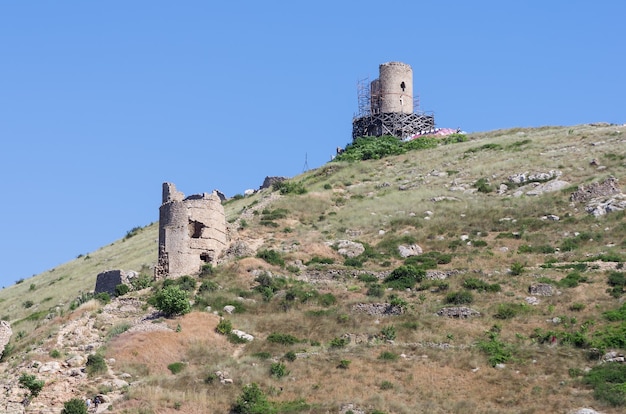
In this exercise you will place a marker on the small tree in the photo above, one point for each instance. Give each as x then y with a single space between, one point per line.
74 406
30 382
172 300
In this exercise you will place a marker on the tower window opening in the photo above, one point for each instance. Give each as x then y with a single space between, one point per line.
195 229
402 85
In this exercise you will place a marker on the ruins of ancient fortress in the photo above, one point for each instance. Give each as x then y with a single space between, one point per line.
192 232
387 107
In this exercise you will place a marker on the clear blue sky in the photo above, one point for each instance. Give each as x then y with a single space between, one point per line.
102 101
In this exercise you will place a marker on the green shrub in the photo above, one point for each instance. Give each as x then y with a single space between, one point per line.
327 299
517 269
386 385
404 277
375 290
118 330
509 310
388 332
320 260
172 300
283 339
289 187
121 289
208 286
344 364
367 278
186 283
480 285
608 382
497 351
28 303
271 257
339 342
55 353
262 355
224 327
577 307
96 364
483 186
388 356
103 298
371 148
543 249
31 383
353 261
176 367
141 282
617 279
570 281
252 401
616 315
290 356
278 370
74 406
463 297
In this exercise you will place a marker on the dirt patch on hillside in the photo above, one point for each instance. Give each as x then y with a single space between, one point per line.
157 349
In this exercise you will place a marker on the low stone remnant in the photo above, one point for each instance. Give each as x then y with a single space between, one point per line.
458 312
378 309
541 289
594 190
107 281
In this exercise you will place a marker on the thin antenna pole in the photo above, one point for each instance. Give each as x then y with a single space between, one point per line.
306 163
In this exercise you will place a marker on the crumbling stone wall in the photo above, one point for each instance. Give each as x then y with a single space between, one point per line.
599 189
107 281
192 232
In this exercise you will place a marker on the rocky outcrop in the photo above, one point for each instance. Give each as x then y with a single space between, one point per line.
408 251
600 207
5 335
349 248
270 181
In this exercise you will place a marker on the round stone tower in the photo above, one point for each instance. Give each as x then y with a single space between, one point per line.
192 232
395 88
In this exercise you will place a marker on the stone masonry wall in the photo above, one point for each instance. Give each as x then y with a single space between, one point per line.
192 232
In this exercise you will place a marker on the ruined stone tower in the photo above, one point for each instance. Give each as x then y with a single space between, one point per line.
192 232
386 105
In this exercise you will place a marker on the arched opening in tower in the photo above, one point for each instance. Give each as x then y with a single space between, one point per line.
402 85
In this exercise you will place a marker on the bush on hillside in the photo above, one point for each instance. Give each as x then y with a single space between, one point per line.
172 300
404 277
31 383
252 401
74 406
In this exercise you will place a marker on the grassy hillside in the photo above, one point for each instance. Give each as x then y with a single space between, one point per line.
315 349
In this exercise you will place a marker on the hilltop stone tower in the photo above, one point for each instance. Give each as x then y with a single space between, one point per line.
192 232
387 105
